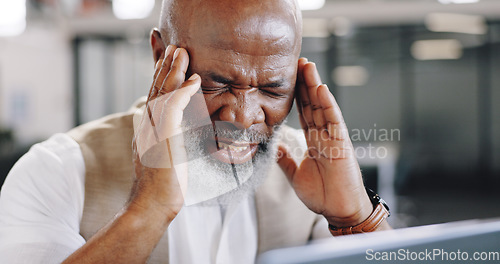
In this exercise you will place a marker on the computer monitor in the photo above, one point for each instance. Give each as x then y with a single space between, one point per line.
474 241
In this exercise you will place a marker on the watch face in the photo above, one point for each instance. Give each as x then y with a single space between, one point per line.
375 199
382 201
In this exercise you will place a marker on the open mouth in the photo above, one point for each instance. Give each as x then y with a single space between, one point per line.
232 151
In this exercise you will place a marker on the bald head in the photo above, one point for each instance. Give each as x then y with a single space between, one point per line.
273 26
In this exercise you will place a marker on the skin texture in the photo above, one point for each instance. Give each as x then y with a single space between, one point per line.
247 65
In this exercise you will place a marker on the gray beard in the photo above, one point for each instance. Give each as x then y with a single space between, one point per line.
215 183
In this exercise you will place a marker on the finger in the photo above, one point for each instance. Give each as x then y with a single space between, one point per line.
312 81
311 75
173 106
300 70
318 113
303 102
166 111
153 90
286 163
162 69
180 98
177 74
303 123
300 83
162 146
333 115
331 109
178 103
165 63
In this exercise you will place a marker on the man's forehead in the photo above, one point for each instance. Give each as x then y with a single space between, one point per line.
226 66
258 36
243 26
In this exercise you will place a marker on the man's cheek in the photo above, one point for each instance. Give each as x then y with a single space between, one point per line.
278 111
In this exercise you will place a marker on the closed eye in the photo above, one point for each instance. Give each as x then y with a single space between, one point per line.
272 92
213 90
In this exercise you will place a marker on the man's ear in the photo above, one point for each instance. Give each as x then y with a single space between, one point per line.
157 45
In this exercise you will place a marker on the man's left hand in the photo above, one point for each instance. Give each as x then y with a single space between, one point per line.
328 181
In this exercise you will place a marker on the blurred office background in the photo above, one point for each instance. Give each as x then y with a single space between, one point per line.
417 81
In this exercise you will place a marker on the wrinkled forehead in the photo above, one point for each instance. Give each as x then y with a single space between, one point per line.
257 35
251 27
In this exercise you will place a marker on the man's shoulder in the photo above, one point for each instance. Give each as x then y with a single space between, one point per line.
119 126
277 185
46 182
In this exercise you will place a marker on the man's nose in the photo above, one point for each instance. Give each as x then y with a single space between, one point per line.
243 110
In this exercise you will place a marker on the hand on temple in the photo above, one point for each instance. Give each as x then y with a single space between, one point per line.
159 152
157 194
328 180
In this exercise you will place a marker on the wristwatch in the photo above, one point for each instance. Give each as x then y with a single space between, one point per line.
380 213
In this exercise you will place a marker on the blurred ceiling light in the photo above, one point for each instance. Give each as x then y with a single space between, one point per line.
12 17
315 28
437 49
458 1
341 26
350 76
445 22
133 9
311 4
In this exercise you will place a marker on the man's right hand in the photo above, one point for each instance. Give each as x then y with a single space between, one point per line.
157 194
159 152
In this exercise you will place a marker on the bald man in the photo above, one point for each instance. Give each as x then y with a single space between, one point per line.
210 132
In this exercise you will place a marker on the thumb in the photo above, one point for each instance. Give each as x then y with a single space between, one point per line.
286 162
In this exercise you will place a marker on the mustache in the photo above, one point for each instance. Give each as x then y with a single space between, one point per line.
195 138
208 132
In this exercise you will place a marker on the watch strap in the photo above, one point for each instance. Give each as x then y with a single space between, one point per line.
379 214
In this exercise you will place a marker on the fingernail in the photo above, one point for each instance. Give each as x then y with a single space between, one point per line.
330 94
168 50
326 86
176 53
194 77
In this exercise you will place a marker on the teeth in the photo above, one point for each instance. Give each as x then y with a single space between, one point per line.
231 147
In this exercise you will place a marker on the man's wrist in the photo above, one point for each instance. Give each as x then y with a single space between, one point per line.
374 221
156 192
150 212
364 211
